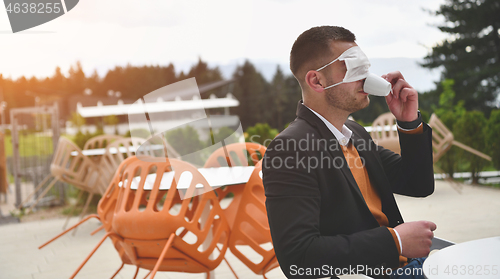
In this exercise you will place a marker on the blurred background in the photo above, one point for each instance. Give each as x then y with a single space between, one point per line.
114 52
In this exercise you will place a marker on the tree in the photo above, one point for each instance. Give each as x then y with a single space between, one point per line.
276 100
77 80
293 94
471 54
203 73
250 89
135 82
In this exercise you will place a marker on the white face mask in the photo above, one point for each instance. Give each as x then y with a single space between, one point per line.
356 62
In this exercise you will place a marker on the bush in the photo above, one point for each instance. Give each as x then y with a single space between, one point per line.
225 134
138 133
449 112
261 133
81 138
186 141
492 135
469 130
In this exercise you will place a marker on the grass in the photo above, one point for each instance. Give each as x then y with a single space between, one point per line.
30 145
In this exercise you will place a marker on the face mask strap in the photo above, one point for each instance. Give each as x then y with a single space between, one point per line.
326 65
333 85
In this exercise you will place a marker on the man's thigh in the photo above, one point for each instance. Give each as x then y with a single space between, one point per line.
413 270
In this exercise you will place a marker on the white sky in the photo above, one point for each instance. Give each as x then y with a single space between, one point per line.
104 33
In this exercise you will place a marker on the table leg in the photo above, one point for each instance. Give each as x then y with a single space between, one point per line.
206 244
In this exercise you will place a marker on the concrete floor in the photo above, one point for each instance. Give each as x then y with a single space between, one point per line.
461 212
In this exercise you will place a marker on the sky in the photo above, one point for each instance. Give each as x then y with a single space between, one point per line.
102 34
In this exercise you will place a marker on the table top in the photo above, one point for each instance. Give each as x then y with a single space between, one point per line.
216 177
473 259
113 150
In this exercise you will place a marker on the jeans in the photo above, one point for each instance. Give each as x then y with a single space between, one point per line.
413 270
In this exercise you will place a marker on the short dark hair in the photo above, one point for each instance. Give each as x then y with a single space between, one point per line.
314 45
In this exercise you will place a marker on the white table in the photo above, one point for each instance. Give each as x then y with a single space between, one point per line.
216 177
473 259
113 150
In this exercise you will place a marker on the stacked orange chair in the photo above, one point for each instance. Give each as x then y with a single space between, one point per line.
251 228
105 213
158 229
152 225
236 154
98 142
247 215
119 150
71 166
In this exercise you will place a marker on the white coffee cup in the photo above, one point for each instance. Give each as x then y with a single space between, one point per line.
376 85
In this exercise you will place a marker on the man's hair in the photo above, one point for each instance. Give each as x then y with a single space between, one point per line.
314 45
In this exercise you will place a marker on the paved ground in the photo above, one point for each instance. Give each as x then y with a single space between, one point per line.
471 214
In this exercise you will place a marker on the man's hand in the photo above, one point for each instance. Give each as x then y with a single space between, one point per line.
416 238
403 101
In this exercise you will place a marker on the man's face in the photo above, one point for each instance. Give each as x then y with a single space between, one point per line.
350 96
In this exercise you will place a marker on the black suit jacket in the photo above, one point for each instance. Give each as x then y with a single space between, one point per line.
318 218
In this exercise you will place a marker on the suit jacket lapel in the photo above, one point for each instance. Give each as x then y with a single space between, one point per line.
377 177
333 149
373 165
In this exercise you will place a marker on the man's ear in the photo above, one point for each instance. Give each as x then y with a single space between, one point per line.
313 79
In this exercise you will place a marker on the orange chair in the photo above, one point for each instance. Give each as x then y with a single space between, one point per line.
236 154
152 225
443 139
119 150
383 133
250 231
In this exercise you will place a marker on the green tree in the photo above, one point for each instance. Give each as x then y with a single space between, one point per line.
276 100
135 82
293 95
492 134
203 73
187 141
250 89
261 133
76 83
448 113
471 54
469 130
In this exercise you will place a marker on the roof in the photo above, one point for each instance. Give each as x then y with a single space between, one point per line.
160 105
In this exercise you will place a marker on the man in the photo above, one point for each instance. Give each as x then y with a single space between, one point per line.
329 188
